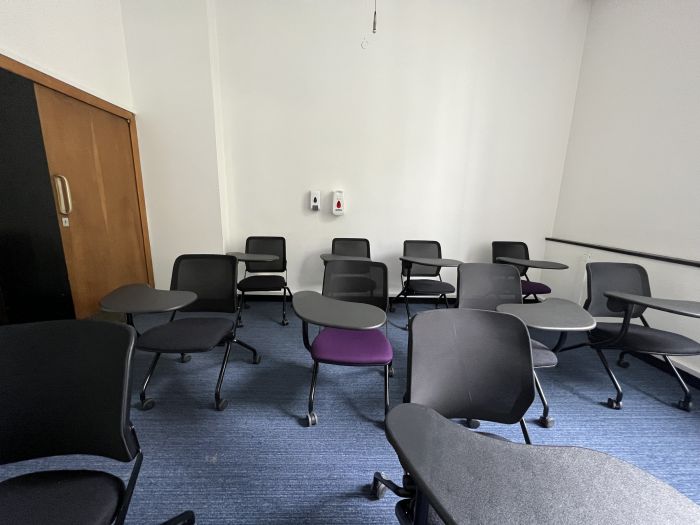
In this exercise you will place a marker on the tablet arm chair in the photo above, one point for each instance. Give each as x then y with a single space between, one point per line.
410 286
625 336
66 390
485 286
347 281
262 280
350 246
213 278
466 364
519 250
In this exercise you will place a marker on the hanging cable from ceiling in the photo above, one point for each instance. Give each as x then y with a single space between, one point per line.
374 21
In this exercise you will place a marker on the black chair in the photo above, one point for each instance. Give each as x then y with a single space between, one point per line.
430 287
466 364
625 336
66 390
346 281
351 246
266 283
484 286
213 278
519 250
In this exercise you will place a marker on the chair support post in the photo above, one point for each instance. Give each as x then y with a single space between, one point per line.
386 389
129 489
687 402
526 434
147 379
312 391
544 420
218 401
617 402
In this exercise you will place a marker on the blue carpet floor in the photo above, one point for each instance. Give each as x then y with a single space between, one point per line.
257 463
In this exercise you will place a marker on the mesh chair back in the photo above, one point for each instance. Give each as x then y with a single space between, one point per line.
614 277
212 277
474 364
66 390
484 286
515 249
352 247
428 249
357 282
269 246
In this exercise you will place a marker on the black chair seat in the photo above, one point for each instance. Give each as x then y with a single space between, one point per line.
429 287
187 335
646 340
534 288
262 283
59 497
542 357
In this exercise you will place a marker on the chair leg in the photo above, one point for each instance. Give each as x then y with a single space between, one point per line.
239 323
544 420
220 403
687 402
621 360
256 357
386 389
311 417
391 369
408 310
526 434
146 403
617 402
185 358
284 307
447 303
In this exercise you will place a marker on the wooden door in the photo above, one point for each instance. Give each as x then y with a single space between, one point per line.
91 166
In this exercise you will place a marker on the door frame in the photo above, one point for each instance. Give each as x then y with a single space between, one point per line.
48 81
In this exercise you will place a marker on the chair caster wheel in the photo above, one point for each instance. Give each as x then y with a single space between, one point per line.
285 322
391 371
147 404
686 405
623 364
311 419
545 422
256 360
221 404
377 489
185 358
617 405
472 423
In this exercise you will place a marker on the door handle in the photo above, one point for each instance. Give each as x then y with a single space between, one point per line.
65 202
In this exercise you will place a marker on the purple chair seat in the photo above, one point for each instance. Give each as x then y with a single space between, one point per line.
352 347
534 288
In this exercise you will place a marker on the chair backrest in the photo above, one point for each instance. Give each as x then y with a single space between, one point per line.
614 277
515 249
269 246
212 277
350 246
485 285
65 389
357 281
428 249
473 364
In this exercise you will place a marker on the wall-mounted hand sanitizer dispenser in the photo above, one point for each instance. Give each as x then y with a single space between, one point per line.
315 200
338 203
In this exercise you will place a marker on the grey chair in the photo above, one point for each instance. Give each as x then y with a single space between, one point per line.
519 250
260 279
450 372
411 286
626 337
351 246
213 278
65 390
484 286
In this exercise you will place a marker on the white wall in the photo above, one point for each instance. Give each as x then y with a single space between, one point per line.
632 174
78 41
451 125
169 61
